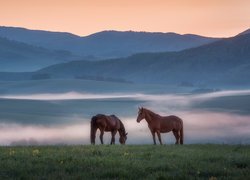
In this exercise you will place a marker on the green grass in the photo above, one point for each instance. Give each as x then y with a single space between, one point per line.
126 162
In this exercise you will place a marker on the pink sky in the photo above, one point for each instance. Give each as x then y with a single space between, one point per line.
209 18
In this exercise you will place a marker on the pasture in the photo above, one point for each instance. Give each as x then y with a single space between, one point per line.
207 161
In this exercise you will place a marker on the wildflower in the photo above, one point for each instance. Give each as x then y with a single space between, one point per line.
126 154
11 152
35 152
212 178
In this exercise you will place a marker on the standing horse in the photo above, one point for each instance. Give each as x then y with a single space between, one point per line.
108 124
162 124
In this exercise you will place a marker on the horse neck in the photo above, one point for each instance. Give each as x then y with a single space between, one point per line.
122 129
151 116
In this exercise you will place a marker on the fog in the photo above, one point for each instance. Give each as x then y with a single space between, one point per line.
200 126
181 98
16 134
67 96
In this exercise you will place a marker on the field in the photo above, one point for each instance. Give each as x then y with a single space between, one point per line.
207 161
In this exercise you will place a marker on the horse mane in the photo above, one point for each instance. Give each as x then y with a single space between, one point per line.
152 113
122 127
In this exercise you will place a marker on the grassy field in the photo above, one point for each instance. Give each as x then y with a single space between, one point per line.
126 162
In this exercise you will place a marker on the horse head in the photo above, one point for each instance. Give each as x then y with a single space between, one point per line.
123 138
141 114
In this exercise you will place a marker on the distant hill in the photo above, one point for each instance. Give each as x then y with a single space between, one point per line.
245 32
106 44
225 62
121 44
18 56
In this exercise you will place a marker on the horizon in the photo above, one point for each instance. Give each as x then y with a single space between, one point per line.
207 18
113 30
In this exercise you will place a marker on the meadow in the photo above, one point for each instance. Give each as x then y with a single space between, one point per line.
207 161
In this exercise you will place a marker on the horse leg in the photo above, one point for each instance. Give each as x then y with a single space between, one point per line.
177 136
153 134
159 136
181 135
101 135
113 133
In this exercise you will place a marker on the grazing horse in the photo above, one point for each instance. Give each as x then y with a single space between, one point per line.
108 124
162 124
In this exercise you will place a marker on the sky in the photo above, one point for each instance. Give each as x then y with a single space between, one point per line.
214 18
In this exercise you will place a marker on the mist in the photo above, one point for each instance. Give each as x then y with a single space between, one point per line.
67 96
199 127
72 127
180 98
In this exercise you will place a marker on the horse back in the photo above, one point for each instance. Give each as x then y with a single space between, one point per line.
113 122
169 123
107 123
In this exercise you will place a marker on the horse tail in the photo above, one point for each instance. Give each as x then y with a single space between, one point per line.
93 129
181 134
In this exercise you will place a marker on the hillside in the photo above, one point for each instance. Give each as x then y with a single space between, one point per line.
225 62
17 56
106 44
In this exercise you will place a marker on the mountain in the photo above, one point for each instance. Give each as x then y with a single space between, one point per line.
18 56
106 44
245 32
225 62
121 44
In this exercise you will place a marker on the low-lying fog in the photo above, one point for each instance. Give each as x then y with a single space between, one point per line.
213 123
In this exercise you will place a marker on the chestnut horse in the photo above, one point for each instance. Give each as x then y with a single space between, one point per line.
107 123
162 124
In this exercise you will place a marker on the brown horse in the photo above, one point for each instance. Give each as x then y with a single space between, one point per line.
162 124
108 124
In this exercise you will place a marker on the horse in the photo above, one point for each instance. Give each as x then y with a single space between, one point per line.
108 124
162 124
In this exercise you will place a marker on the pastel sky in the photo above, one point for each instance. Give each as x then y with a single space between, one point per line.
217 18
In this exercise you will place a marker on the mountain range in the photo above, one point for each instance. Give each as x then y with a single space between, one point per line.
222 62
106 44
226 61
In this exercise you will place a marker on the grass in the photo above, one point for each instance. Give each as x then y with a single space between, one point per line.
126 162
